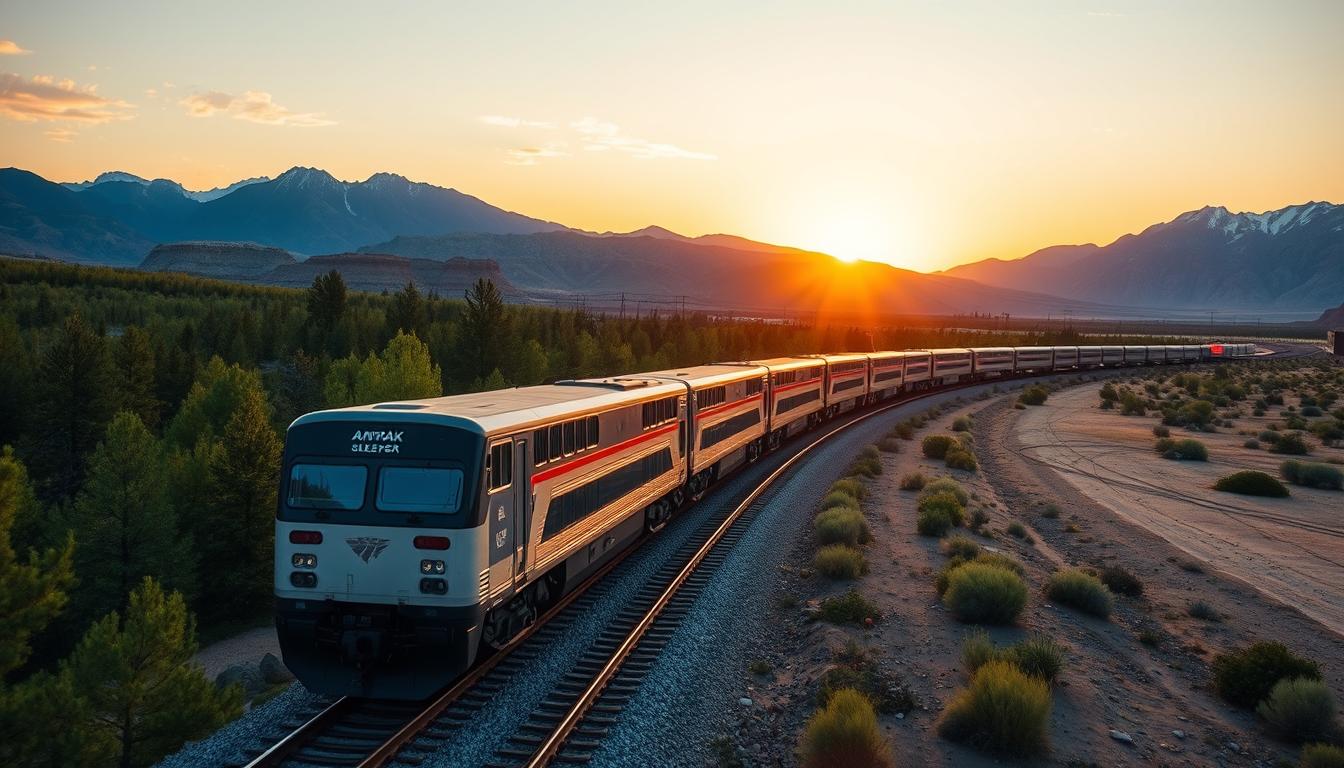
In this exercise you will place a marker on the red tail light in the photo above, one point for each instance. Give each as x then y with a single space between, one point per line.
305 537
1216 349
431 542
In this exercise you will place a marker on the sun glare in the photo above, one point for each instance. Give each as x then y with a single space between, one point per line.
852 235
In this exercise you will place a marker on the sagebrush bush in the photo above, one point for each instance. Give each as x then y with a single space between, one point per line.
1039 656
978 519
912 481
936 446
840 561
1033 395
841 525
977 650
1291 444
869 452
866 466
1312 474
1182 450
978 593
845 732
839 499
1004 711
850 485
961 546
1050 512
933 522
994 559
1080 590
1121 581
1249 482
1161 431
1322 756
946 485
889 445
905 431
1300 709
958 458
1017 530
849 608
962 424
1253 444
1204 611
947 503
1245 677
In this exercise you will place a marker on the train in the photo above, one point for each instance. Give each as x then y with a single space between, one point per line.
412 537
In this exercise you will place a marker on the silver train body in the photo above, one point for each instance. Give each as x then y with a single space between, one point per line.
413 536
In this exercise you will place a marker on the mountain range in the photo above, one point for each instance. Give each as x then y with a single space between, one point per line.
1286 261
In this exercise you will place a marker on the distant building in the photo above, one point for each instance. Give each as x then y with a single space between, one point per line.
1335 341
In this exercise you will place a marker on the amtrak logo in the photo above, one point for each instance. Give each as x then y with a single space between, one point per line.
376 441
367 547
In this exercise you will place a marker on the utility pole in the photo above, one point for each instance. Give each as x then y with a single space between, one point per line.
622 305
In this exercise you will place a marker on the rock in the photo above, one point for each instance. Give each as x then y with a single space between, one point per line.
1234 746
274 671
246 675
900 715
1178 734
1122 736
744 701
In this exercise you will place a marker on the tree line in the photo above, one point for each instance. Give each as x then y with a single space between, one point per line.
142 425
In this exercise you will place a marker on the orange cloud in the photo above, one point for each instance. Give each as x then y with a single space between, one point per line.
531 155
253 106
46 98
61 135
11 48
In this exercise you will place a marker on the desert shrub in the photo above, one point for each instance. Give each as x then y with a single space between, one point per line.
1290 444
851 486
992 559
946 485
1322 756
1050 512
869 452
912 481
985 594
845 732
1312 411
1003 711
1245 677
867 466
977 650
1251 483
1300 709
1269 436
1017 530
958 458
889 445
1121 581
963 423
1161 431
1039 656
1328 431
961 546
839 561
855 670
904 430
1033 395
933 522
759 667
1079 590
1312 474
1253 444
1204 611
840 499
936 446
849 608
945 501
1001 560
1182 450
841 526
978 519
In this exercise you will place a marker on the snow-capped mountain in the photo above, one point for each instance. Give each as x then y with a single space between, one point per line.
1289 258
203 196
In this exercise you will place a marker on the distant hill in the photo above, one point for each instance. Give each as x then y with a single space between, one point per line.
245 262
45 219
1331 319
1288 259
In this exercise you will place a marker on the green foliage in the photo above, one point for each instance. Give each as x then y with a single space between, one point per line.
841 499
1204 611
484 328
1181 450
1161 431
851 486
133 357
1033 395
866 466
841 525
1004 711
1017 530
977 650
984 594
211 402
1079 590
1251 483
945 485
933 522
1322 756
1050 512
936 446
1039 656
943 502
849 608
855 669
1121 581
404 371
1312 474
961 546
961 424
959 458
1245 677
75 399
840 561
845 732
992 559
144 696
127 527
1300 709
1291 444
326 300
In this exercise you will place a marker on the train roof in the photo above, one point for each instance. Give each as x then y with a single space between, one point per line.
948 351
983 350
508 409
785 363
843 357
708 375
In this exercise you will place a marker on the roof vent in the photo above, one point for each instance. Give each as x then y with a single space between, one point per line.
621 383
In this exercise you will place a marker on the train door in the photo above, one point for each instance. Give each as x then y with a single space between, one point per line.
501 511
522 507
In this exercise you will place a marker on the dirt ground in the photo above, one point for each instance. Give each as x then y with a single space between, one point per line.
1158 695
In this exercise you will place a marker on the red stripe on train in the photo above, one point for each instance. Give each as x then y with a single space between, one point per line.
568 466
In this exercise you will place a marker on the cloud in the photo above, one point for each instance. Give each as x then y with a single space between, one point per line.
253 106
62 135
531 155
46 98
11 48
503 121
601 136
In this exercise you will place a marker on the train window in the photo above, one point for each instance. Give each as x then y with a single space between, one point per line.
754 387
592 432
646 415
557 444
785 377
569 438
725 429
711 397
419 489
572 506
580 434
501 465
539 455
327 486
668 409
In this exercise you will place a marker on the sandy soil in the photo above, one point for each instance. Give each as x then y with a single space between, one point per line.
1158 695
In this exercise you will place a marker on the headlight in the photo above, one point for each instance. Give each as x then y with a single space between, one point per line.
431 566
303 560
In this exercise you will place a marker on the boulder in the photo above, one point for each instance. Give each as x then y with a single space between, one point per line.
246 675
274 671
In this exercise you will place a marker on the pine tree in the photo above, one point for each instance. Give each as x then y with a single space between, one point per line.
142 692
212 401
127 528
74 402
483 328
407 313
16 387
177 368
237 548
134 357
326 300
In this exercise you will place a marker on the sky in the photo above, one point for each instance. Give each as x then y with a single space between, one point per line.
924 134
